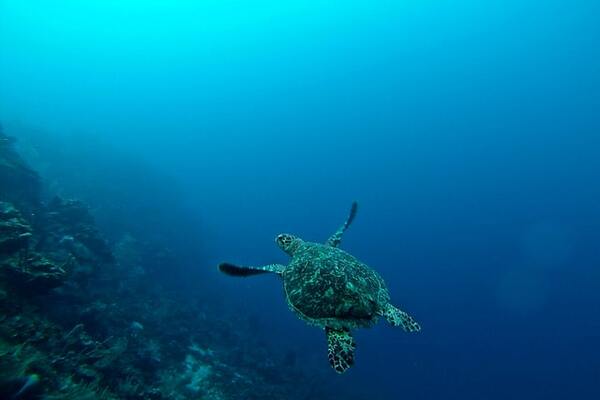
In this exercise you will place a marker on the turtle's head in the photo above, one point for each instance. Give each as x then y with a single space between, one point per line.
288 243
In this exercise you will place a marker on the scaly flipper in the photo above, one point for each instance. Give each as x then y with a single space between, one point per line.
235 270
397 317
340 349
336 238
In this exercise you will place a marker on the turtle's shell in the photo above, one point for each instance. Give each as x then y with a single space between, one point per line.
326 286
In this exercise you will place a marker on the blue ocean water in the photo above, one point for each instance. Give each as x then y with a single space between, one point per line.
469 133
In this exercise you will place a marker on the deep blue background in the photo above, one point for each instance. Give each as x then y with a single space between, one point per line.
468 131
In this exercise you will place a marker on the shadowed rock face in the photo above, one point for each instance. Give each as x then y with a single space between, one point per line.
33 274
21 267
68 224
19 184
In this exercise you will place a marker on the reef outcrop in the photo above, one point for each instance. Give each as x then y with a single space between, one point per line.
81 319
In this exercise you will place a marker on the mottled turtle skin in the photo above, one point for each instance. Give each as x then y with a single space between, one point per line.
326 286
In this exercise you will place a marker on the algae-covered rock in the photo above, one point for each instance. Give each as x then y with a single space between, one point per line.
68 224
14 230
32 273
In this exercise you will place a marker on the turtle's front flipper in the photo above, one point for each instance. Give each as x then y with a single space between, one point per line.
234 270
397 317
336 238
340 349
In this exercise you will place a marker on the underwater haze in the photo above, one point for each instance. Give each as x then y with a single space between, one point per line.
467 131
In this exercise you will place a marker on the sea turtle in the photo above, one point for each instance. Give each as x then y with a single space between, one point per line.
327 287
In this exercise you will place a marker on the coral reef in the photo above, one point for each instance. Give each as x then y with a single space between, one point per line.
81 315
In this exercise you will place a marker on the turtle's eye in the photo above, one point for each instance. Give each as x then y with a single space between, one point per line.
283 240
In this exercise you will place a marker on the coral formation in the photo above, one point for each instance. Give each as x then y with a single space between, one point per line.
81 319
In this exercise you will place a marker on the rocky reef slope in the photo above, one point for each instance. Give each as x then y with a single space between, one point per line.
79 319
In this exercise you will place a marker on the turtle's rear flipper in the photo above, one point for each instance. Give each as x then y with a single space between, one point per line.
340 349
235 270
397 317
336 238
